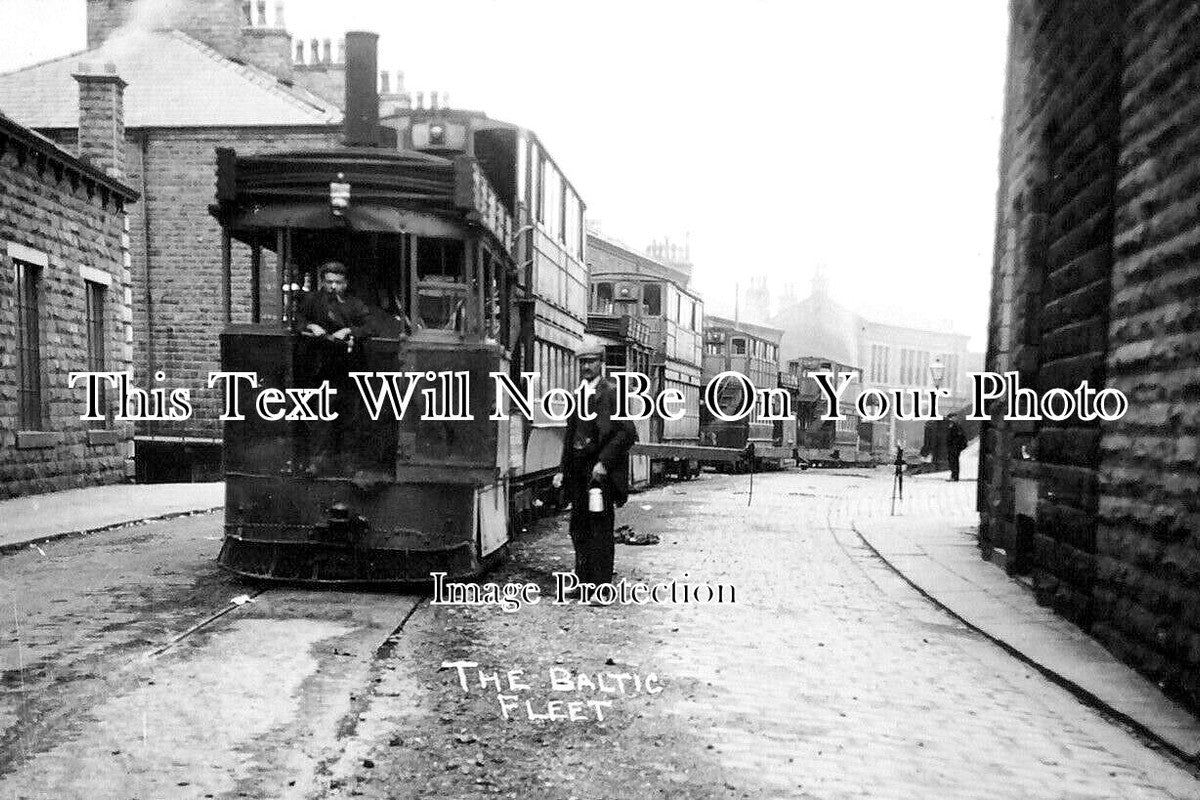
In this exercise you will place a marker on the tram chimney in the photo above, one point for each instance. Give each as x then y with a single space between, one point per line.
362 93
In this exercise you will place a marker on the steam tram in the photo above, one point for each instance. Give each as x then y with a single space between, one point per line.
752 350
821 442
470 243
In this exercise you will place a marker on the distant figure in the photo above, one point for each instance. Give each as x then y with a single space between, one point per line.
956 442
595 454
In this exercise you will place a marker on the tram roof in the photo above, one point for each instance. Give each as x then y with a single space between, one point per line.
489 123
642 265
764 332
389 190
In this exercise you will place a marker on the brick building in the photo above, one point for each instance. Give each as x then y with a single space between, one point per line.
64 296
1097 277
202 75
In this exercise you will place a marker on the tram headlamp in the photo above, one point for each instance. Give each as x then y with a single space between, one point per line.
339 195
437 134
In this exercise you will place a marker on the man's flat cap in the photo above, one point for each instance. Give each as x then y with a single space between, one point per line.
590 347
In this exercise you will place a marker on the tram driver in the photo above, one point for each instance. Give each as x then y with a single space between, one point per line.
331 323
330 313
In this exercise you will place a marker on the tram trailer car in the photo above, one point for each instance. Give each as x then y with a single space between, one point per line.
549 246
821 442
434 240
652 290
752 350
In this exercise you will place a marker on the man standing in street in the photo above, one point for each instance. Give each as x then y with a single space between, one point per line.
595 455
956 442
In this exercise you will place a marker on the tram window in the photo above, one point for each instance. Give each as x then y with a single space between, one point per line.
604 297
739 347
571 220
491 303
552 216
535 189
652 300
441 292
522 165
439 259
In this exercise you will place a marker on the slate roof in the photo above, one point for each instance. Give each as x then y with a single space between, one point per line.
174 82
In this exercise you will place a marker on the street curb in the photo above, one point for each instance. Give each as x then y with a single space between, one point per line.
1191 760
15 547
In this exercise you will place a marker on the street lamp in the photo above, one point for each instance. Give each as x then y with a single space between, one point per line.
937 372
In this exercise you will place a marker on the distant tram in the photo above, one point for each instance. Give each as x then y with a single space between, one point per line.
633 292
821 442
468 239
752 350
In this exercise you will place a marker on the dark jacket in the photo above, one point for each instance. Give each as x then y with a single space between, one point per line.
613 439
321 308
956 440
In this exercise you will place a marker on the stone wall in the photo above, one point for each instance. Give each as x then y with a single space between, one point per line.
1096 277
177 267
72 234
1148 539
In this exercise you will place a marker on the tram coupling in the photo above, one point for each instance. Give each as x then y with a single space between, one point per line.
341 526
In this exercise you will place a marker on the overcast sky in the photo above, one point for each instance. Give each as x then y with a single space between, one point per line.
784 135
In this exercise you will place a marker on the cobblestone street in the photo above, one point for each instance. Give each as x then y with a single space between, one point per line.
828 677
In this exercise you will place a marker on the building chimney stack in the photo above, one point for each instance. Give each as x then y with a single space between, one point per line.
362 93
102 118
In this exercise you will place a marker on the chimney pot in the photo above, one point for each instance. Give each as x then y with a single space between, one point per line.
385 82
262 13
445 100
420 100
433 101
329 51
299 59
279 15
399 81
315 45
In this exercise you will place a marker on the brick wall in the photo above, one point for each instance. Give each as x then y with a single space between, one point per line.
1096 278
41 210
183 251
327 81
